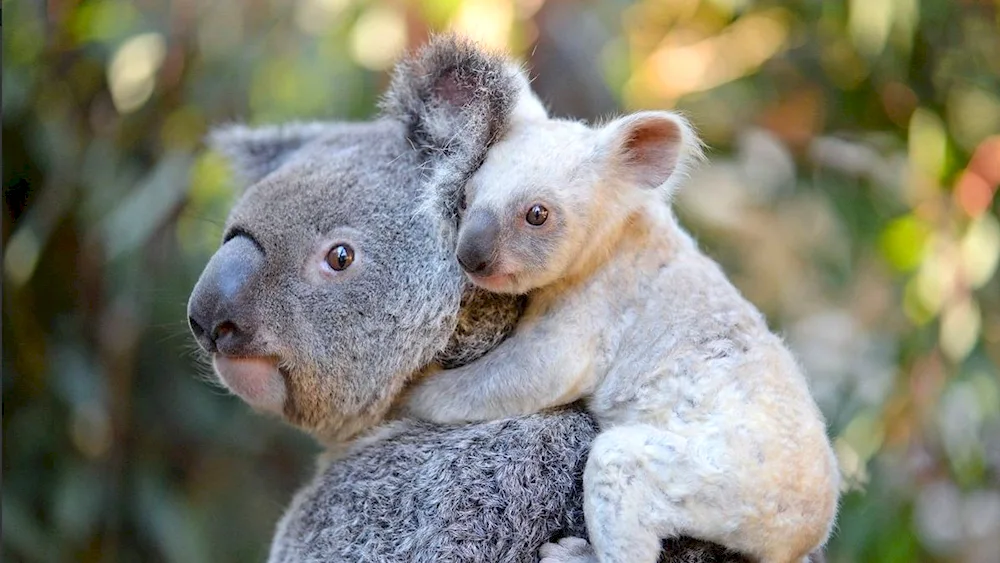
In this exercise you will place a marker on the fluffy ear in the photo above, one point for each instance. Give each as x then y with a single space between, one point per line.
454 96
255 152
651 149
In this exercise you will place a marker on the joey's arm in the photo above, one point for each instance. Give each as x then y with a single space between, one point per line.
528 372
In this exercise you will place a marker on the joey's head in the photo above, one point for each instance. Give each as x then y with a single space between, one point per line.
552 196
329 290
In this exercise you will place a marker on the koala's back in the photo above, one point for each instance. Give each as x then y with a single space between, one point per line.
492 492
487 492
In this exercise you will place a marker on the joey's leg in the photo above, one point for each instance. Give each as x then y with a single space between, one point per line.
642 484
523 375
567 550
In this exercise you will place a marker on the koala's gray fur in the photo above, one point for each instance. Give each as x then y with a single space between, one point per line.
448 501
254 153
406 491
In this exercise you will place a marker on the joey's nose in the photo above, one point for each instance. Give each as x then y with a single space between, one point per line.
220 309
477 242
473 265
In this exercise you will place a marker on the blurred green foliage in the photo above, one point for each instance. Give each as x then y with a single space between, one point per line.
851 194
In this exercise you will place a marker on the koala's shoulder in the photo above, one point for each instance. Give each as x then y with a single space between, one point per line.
447 475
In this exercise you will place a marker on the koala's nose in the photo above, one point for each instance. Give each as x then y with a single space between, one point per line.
225 337
477 242
217 309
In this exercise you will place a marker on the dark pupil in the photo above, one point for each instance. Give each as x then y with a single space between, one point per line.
537 215
340 257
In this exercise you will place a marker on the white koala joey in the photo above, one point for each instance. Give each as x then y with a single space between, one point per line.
708 428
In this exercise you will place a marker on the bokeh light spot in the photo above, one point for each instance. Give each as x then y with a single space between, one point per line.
960 324
486 21
928 144
21 256
315 16
378 37
980 250
903 242
973 114
131 73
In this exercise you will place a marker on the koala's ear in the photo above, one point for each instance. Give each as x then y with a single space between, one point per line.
456 98
255 152
652 149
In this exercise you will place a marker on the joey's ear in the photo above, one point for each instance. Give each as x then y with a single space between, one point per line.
652 149
456 98
255 152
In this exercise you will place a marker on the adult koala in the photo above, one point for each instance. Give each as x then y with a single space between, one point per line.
334 288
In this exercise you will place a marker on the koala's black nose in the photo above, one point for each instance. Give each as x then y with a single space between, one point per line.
219 309
225 337
477 242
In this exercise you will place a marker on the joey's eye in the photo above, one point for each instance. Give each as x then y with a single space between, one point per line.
537 215
340 257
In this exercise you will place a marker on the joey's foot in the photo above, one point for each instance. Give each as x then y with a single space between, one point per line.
568 550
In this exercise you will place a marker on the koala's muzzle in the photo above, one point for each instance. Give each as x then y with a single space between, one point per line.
218 310
477 242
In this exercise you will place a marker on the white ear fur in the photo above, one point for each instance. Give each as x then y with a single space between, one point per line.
651 149
528 107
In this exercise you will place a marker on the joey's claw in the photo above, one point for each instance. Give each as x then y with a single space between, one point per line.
567 550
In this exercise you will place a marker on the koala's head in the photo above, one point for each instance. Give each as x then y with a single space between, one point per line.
330 290
327 291
333 286
552 195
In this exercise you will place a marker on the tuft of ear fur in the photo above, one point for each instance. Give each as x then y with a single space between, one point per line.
450 93
652 149
255 152
456 99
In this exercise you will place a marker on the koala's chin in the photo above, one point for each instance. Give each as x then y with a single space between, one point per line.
258 381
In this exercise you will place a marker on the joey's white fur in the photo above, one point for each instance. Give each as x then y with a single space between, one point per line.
708 426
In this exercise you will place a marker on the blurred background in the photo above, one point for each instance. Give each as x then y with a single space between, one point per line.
851 194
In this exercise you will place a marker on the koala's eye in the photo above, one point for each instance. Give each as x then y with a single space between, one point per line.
340 257
537 215
462 204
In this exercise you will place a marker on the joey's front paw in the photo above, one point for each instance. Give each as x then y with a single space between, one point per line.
417 410
567 550
427 403
420 401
